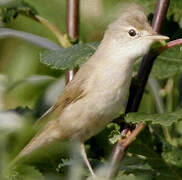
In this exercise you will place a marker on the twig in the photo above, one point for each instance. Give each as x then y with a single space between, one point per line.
155 89
37 40
120 148
174 43
136 91
72 28
63 40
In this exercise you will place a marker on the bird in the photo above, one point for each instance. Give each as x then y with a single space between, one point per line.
100 88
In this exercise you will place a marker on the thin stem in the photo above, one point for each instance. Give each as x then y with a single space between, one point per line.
72 28
169 96
174 43
63 40
155 89
37 40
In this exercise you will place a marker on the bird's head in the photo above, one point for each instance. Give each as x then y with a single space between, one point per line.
133 32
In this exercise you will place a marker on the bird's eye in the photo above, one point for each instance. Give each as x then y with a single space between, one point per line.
132 32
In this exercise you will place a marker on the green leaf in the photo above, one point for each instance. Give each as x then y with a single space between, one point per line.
144 158
11 9
23 172
70 57
166 119
34 86
168 64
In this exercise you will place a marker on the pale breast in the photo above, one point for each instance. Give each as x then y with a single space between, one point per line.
90 114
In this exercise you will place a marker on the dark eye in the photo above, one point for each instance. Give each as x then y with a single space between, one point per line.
132 32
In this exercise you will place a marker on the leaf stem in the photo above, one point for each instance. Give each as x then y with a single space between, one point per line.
155 89
169 96
63 40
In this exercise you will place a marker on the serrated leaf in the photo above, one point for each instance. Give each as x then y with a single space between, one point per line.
166 119
23 172
70 57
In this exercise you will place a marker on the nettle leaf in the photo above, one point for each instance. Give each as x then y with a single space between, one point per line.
173 156
168 64
70 57
23 172
11 9
165 119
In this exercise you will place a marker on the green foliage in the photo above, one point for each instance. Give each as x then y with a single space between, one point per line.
11 9
144 158
166 119
174 8
70 57
152 156
168 64
23 172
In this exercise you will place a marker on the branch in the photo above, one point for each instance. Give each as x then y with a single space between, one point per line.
37 40
173 43
136 91
72 28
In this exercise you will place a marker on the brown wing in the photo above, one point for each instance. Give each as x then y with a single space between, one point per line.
73 91
46 135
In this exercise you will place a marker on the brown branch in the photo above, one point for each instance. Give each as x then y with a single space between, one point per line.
120 148
136 90
72 28
160 14
174 43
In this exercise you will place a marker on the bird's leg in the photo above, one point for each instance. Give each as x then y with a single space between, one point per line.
84 156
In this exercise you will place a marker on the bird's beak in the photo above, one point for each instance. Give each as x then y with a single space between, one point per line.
158 37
